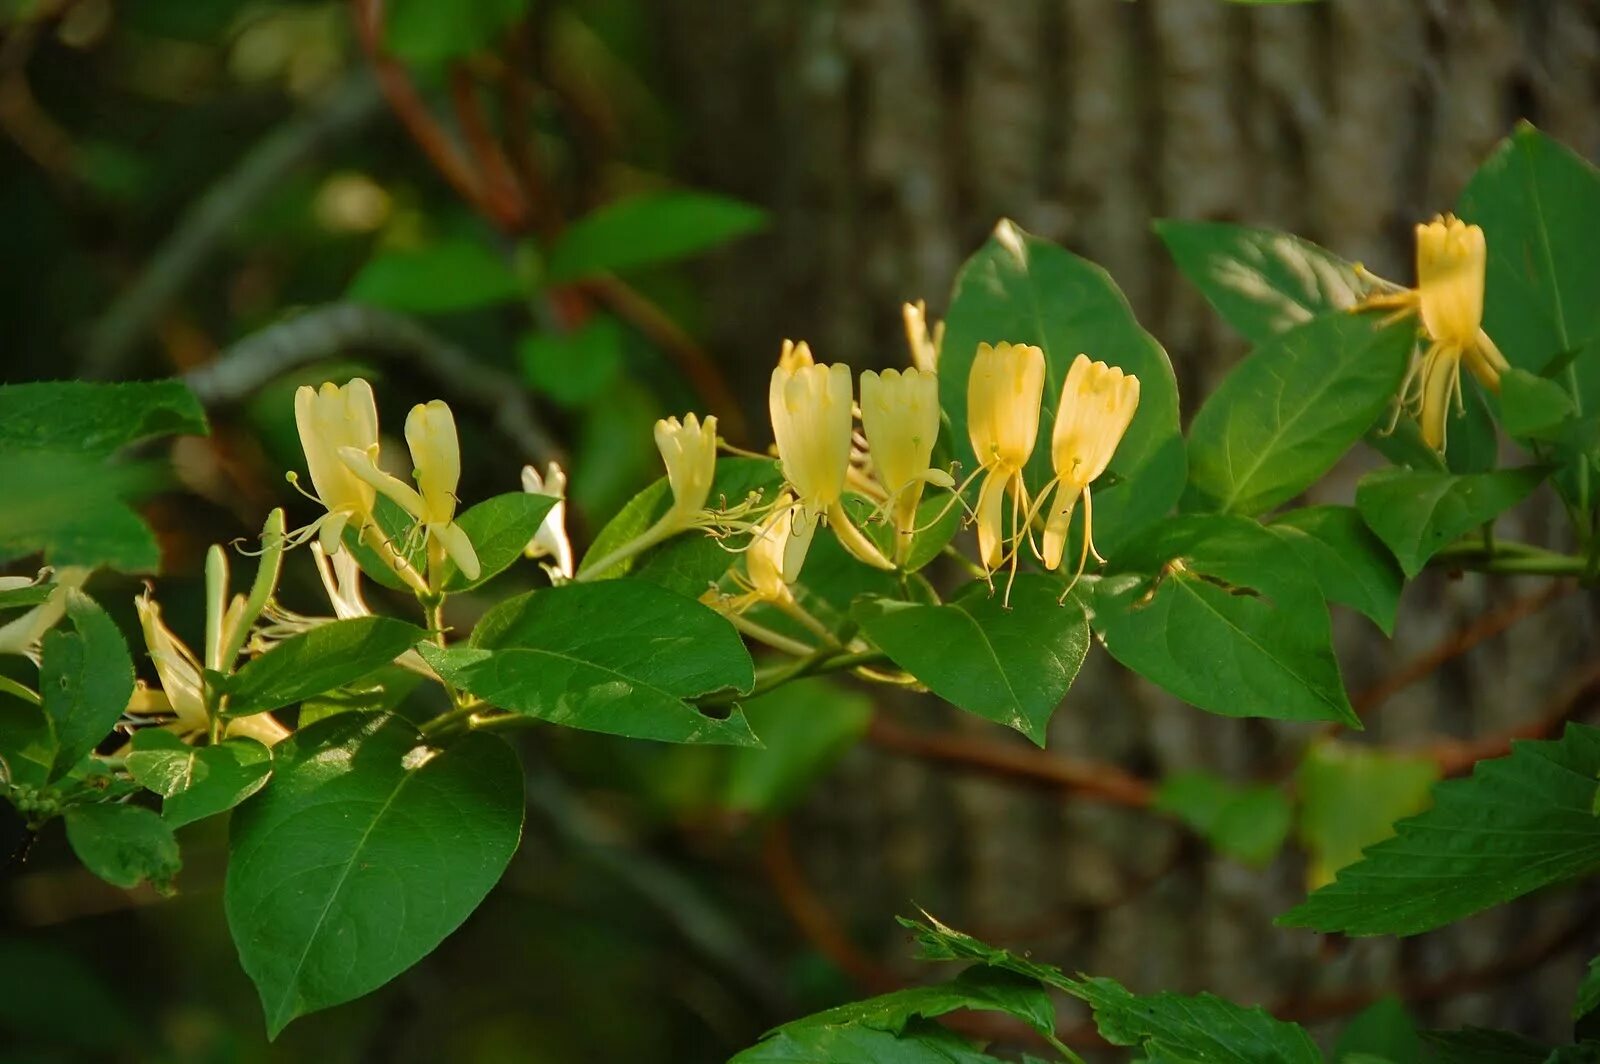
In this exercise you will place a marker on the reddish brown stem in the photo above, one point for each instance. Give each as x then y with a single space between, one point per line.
502 196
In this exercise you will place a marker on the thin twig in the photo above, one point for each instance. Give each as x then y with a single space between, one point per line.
1456 757
200 232
1096 781
502 195
336 328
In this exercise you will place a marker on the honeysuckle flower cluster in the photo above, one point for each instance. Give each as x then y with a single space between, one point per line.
1452 259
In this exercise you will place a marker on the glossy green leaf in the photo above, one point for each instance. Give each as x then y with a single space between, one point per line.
85 681
1533 407
1292 409
1381 1031
804 728
364 853
1012 665
500 529
574 368
1021 289
1418 513
615 656
649 230
125 845
93 418
197 781
1351 796
1348 562
1519 823
380 691
1262 282
1222 613
327 656
1538 204
443 278
1248 823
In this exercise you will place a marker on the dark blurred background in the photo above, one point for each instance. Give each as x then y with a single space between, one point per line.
233 188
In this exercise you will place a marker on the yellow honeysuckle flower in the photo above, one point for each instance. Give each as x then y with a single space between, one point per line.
812 413
1452 259
330 419
924 342
182 692
551 540
436 456
764 558
22 635
900 415
1004 390
689 451
1097 404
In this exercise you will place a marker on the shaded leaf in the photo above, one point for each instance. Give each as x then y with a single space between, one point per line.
85 681
1348 562
500 529
93 418
125 845
1248 823
197 781
316 661
648 230
1418 513
453 275
1350 798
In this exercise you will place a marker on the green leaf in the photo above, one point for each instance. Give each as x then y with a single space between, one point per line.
574 368
1261 281
1012 665
1383 1031
364 853
804 728
981 988
17 598
85 681
1202 1029
1348 562
1221 612
27 749
429 34
500 529
1350 798
1519 823
318 660
197 781
443 278
95 419
1289 411
123 844
922 1043
1021 289
1588 999
73 507
1419 513
1247 823
648 230
615 656
691 562
1533 407
1538 203
381 691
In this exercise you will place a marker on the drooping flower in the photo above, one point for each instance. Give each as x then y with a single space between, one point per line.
764 558
900 415
551 540
1452 259
1004 390
182 686
924 342
811 407
330 419
436 456
1097 404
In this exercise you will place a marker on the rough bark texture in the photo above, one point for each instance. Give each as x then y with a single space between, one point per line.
888 136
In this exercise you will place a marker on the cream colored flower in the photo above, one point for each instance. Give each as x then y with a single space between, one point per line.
22 635
551 540
689 451
1004 390
923 342
436 456
1097 404
900 416
330 419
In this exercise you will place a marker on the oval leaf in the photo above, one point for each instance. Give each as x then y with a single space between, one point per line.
367 850
1418 513
319 660
648 230
85 681
124 844
197 781
1349 563
500 529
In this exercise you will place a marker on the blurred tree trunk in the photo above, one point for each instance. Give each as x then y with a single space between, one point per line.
887 136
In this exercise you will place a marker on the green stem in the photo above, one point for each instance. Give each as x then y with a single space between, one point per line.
972 567
659 532
448 722
12 687
1509 558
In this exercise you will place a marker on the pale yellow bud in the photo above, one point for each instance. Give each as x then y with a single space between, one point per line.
689 450
1097 404
900 415
811 418
176 666
330 419
1003 395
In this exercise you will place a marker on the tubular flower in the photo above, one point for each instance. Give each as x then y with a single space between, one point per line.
330 419
689 450
900 415
764 558
436 455
23 634
1003 395
551 540
924 342
812 422
182 692
1451 261
1097 404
